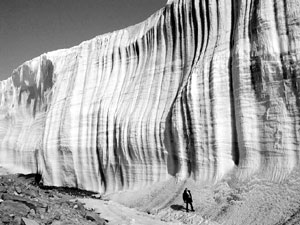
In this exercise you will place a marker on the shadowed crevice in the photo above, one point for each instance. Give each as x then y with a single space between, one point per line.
173 163
235 147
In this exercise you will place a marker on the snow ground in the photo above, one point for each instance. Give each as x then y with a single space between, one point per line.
256 200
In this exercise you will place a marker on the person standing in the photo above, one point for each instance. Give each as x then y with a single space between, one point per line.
188 199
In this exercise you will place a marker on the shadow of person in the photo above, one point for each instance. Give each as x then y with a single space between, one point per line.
177 207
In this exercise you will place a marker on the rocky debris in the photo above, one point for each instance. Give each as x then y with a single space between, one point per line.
18 190
30 193
2 189
12 207
26 221
97 196
57 223
95 217
31 204
17 221
5 219
23 202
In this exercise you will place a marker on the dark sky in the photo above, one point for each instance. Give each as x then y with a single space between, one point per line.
29 28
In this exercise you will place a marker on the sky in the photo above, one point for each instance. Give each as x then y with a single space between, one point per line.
28 28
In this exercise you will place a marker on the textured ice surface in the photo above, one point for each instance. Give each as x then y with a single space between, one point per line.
198 89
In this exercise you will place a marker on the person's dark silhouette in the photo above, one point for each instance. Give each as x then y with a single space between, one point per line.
188 199
38 178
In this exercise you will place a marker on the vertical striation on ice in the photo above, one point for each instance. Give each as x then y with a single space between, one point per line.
198 89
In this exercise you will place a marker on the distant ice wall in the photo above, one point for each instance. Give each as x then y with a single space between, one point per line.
24 101
198 89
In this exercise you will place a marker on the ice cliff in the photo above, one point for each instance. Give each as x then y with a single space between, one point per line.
202 88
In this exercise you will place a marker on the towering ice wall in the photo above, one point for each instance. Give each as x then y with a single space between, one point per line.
201 88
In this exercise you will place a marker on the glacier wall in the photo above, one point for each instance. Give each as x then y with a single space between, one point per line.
201 88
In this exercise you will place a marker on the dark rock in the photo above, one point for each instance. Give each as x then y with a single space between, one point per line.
56 217
31 204
57 223
30 193
3 189
97 196
42 217
5 219
43 208
12 207
32 212
26 221
95 218
82 213
11 197
90 217
51 195
18 189
64 204
80 206
17 221
44 205
102 221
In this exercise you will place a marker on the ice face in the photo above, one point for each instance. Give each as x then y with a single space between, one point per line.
199 89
